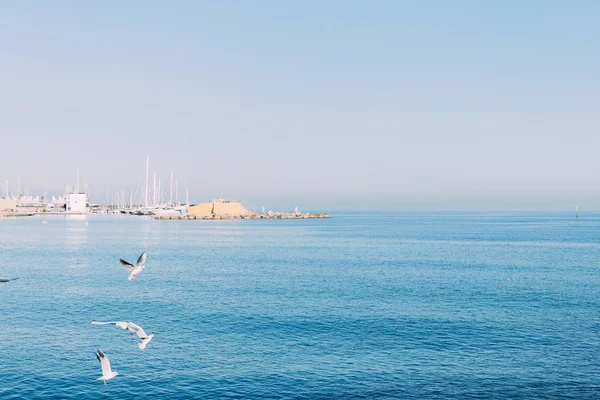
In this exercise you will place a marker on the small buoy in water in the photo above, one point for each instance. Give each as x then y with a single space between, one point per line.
86 223
44 222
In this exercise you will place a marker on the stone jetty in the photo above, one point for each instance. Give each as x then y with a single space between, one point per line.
9 214
269 215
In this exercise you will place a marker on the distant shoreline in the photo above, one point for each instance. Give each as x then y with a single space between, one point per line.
180 217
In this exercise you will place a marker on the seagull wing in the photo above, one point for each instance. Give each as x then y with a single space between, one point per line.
141 260
128 266
137 329
104 363
141 333
133 326
120 324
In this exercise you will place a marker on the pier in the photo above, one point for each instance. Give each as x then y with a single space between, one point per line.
271 215
15 214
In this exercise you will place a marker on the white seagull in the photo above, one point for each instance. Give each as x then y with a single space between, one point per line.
107 372
133 329
130 326
134 269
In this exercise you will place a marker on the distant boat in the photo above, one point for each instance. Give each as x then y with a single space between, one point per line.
576 210
169 211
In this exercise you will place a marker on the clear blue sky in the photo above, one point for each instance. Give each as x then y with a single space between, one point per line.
325 105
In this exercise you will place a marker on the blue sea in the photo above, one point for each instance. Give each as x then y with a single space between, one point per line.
423 305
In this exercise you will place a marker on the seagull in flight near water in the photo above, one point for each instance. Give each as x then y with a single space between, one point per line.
107 372
4 280
133 329
134 269
130 326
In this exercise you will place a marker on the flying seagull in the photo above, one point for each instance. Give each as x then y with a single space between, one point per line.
133 329
134 269
4 280
107 372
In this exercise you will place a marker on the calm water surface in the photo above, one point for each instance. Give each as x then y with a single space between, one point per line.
405 305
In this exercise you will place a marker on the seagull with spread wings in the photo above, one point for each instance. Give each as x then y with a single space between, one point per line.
107 372
133 329
134 269
130 326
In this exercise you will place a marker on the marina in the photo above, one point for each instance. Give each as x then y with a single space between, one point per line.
150 198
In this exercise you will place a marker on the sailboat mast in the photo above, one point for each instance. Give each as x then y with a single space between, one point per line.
171 196
177 191
187 196
154 191
146 196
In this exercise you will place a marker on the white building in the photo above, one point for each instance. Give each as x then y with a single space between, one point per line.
76 202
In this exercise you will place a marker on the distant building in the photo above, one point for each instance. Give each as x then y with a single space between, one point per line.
76 202
219 207
8 204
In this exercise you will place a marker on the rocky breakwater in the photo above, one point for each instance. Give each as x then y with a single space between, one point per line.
9 214
293 215
269 215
